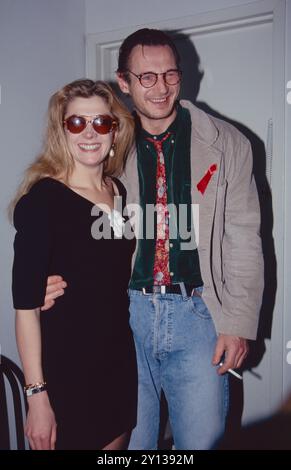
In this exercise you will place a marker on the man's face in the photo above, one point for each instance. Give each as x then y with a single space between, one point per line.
156 105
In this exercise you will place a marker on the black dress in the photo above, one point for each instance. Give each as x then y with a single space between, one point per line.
88 352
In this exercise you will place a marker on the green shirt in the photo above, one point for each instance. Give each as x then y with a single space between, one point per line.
183 263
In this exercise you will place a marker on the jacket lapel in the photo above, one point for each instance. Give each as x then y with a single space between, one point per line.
205 158
202 159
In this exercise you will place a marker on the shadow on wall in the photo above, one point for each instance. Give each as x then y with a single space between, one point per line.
14 376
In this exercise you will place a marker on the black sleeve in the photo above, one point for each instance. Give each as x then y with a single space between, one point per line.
32 248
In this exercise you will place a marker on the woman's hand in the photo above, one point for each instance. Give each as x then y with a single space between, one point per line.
41 426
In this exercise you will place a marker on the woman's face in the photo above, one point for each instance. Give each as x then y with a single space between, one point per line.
88 148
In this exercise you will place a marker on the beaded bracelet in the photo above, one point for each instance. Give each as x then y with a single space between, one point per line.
31 389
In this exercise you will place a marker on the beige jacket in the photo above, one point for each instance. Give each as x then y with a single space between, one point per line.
230 251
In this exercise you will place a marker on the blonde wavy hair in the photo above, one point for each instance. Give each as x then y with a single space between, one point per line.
56 160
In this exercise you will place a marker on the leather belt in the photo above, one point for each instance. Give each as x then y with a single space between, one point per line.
171 289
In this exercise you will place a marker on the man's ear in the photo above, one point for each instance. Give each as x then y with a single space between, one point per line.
123 84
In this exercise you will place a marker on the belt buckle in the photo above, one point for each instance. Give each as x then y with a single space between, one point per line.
158 289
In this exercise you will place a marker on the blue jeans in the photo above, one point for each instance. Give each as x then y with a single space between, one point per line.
175 340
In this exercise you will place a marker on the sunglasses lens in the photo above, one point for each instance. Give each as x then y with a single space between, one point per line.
76 124
103 124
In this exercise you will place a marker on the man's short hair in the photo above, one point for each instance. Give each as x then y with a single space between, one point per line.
144 37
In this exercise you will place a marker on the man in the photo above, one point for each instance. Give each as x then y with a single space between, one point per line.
192 310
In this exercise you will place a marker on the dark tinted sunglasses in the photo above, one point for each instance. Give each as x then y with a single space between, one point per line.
102 123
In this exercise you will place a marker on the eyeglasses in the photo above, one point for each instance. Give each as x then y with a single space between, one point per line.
149 79
102 123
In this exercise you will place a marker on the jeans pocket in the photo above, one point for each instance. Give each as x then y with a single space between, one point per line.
199 308
137 306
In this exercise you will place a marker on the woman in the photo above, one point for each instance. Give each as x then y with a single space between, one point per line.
78 361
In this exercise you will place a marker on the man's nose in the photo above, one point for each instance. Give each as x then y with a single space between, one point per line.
161 84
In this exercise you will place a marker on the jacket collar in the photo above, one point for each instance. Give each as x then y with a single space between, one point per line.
203 128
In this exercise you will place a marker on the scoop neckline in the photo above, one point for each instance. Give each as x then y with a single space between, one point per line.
79 195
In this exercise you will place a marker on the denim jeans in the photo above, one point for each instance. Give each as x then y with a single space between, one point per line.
175 340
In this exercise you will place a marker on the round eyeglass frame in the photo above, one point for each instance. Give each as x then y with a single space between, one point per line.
154 74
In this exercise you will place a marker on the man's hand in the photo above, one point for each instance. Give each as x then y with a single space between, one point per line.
232 350
55 288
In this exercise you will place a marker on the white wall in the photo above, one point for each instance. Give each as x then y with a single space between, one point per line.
42 47
108 15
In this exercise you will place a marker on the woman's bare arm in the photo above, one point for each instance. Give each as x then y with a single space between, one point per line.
40 426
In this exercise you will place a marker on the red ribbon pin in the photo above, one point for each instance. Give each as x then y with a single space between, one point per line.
203 183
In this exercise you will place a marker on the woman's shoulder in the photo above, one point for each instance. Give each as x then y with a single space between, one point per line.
44 187
35 203
42 191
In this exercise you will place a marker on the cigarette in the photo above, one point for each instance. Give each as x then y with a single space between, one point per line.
231 371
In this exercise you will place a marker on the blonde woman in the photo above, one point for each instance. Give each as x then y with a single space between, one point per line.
78 360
